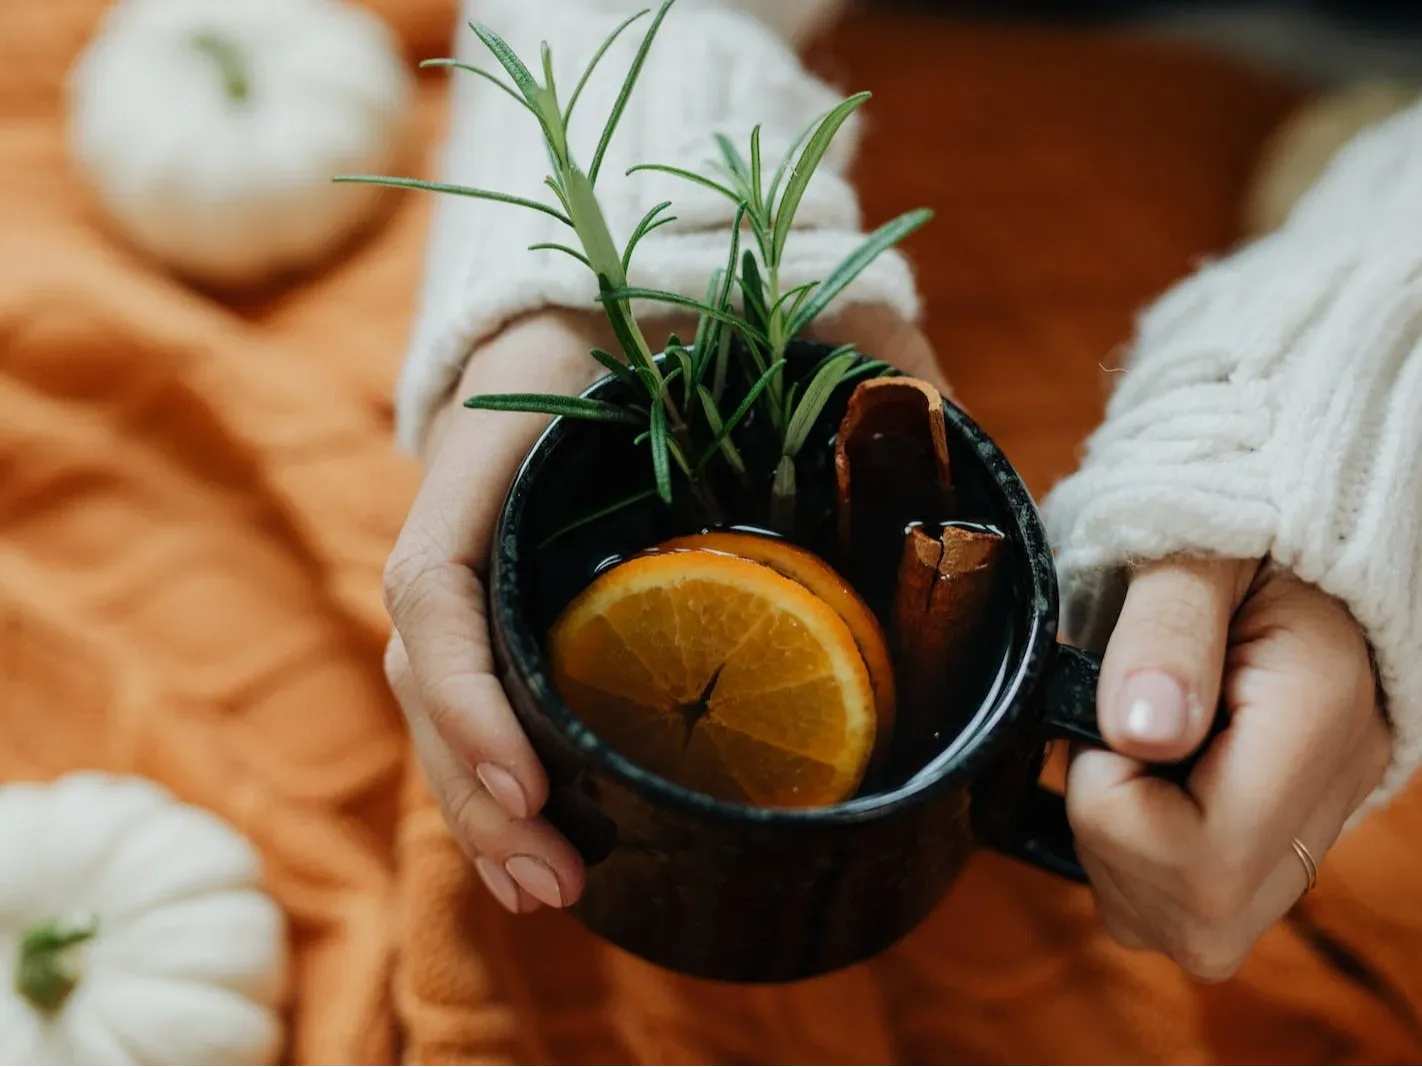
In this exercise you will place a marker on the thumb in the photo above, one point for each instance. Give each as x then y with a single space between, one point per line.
1160 679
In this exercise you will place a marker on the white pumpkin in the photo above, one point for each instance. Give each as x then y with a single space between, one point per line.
210 129
132 930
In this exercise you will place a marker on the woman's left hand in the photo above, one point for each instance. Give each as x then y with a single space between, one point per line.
1200 873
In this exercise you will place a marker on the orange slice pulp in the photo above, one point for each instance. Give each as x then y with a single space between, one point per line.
720 674
801 565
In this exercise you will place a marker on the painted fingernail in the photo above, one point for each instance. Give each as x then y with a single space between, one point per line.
537 879
499 884
504 788
1153 708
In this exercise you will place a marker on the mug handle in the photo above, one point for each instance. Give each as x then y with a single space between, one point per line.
1039 832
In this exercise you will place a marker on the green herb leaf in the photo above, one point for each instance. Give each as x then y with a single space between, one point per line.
542 101
677 454
756 201
878 242
628 84
571 407
791 295
661 296
615 365
782 496
454 190
874 368
735 163
804 168
753 291
722 299
790 400
550 86
508 59
602 513
687 175
647 225
785 162
842 350
701 345
552 183
487 75
596 59
687 368
723 361
817 395
729 451
667 381
661 467
561 248
628 334
742 408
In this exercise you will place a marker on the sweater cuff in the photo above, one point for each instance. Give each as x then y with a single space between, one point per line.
479 275
1270 409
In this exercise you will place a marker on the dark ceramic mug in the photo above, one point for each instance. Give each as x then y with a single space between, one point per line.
739 893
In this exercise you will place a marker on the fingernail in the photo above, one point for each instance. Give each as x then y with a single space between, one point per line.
537 879
504 788
1153 708
499 884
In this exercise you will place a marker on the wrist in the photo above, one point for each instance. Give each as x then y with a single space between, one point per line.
543 351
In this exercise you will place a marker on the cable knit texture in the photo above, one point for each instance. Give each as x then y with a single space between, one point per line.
478 274
1272 408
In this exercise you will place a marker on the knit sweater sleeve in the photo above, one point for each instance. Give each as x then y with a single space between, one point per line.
1272 407
718 66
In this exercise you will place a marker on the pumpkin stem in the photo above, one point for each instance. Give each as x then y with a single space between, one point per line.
45 974
229 64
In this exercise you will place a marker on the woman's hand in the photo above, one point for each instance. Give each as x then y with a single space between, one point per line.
478 763
481 768
1200 875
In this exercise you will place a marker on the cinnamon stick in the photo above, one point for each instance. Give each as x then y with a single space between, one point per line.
944 587
891 469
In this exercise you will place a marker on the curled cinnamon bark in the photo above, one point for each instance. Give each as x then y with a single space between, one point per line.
891 469
943 592
891 462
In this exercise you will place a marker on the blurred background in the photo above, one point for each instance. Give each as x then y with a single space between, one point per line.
198 490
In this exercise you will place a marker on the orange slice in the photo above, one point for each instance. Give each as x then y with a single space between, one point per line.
803 566
721 675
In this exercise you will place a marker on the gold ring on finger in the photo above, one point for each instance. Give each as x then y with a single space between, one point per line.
1310 865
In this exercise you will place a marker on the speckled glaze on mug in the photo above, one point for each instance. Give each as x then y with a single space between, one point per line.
746 894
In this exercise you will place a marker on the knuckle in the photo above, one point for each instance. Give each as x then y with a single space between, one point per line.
1175 616
402 578
452 702
460 802
397 663
1208 956
442 699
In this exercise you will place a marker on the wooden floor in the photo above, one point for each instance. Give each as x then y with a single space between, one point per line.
1071 184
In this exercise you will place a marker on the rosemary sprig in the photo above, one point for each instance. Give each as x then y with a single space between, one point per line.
676 400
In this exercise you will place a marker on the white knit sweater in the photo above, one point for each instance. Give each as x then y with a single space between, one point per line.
1272 405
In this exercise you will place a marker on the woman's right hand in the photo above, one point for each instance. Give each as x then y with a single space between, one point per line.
476 759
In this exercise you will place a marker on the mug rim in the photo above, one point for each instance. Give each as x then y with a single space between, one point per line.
981 739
